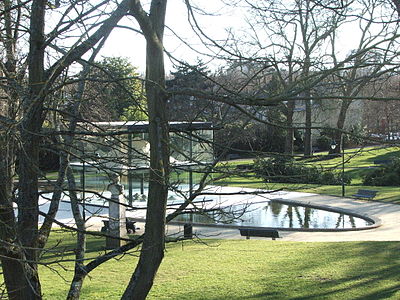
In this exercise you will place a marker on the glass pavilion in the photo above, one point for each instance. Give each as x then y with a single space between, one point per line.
123 148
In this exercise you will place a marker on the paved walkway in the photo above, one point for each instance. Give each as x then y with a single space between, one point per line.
388 216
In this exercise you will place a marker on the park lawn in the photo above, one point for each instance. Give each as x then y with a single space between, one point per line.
243 269
389 194
357 163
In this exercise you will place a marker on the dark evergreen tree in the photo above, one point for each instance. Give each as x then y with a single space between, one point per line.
186 107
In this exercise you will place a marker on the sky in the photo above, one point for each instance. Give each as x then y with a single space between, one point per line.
123 42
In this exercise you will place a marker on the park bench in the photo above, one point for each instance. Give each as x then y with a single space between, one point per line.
231 156
130 225
367 194
244 167
259 232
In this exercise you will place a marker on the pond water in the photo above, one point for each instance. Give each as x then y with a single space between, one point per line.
278 215
258 214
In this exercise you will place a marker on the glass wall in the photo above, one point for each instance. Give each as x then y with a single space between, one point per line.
116 147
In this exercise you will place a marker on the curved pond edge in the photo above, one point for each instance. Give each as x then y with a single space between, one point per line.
376 222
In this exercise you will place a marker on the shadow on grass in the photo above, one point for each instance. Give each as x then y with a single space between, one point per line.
364 270
386 156
64 244
375 277
358 173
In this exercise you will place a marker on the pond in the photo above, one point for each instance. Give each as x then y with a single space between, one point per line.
257 211
278 215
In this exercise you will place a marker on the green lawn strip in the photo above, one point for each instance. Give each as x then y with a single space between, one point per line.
358 163
244 269
389 194
362 157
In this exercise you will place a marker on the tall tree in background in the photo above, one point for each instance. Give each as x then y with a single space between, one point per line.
374 63
114 91
289 37
189 108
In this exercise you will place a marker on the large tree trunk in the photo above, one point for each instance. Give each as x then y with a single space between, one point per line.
340 126
307 133
11 257
289 140
28 209
152 251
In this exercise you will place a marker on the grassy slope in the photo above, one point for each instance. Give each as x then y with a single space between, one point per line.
357 164
249 269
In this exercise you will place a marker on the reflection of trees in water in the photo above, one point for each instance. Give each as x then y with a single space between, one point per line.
352 221
303 222
299 218
307 217
341 220
276 208
302 219
289 214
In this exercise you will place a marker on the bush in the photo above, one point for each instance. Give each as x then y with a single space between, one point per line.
287 170
389 175
249 138
324 142
49 159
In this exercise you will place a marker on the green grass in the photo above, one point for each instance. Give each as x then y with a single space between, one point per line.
249 269
357 163
245 269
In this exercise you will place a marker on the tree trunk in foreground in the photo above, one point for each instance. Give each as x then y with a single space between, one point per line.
30 128
152 251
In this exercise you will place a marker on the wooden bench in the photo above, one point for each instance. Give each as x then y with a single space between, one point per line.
245 167
231 156
130 225
367 194
260 232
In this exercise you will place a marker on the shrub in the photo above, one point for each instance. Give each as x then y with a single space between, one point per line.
324 142
388 175
284 169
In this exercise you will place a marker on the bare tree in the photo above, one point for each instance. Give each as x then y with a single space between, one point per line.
290 38
20 239
375 60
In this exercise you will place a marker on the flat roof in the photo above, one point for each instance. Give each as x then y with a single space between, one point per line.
142 126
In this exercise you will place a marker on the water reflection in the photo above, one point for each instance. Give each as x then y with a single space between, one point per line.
279 215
